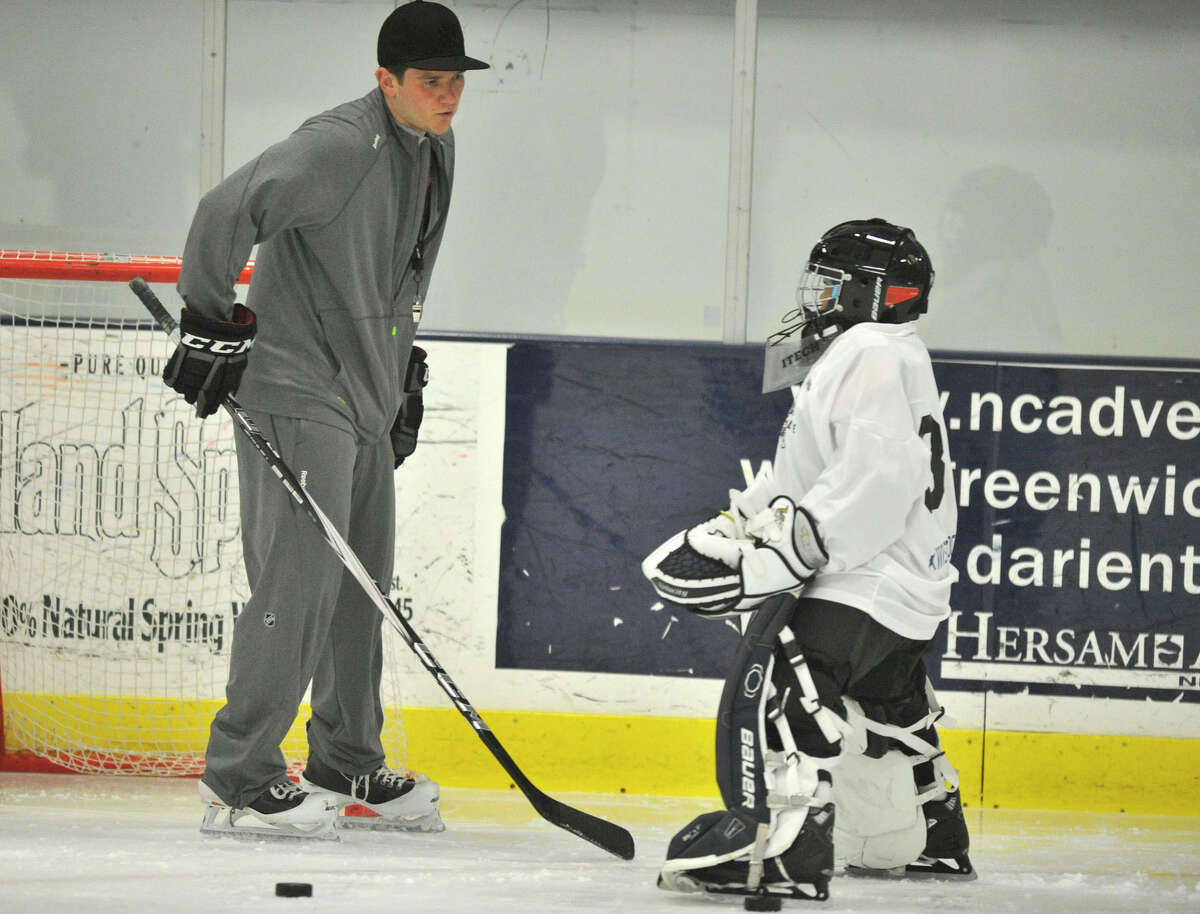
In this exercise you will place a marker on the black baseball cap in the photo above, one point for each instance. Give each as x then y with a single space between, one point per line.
426 36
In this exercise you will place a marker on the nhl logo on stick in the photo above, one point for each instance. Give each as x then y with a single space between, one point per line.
269 620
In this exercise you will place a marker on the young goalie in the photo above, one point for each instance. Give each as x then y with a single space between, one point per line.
841 551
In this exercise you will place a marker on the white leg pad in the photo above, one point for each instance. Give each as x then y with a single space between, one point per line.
879 823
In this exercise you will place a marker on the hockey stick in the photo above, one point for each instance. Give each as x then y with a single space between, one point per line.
607 835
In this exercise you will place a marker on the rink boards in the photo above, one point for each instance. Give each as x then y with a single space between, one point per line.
547 470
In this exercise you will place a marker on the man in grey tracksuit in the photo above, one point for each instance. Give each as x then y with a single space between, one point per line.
349 213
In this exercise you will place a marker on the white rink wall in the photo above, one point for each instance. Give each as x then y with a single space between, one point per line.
450 516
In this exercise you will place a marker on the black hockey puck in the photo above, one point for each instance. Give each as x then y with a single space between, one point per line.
762 903
293 889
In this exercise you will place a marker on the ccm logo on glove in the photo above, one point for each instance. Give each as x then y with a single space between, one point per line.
208 363
217 347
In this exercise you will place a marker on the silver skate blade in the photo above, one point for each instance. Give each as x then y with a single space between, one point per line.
223 822
795 891
958 870
798 891
950 868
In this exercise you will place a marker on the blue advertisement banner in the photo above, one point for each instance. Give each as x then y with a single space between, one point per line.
1079 523
610 449
1079 514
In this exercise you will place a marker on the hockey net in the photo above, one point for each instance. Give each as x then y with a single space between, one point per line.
121 569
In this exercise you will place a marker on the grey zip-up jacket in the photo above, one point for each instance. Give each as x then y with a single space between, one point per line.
336 209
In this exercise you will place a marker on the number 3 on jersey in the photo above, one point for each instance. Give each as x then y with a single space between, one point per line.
937 466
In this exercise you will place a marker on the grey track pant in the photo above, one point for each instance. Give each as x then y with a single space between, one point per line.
307 618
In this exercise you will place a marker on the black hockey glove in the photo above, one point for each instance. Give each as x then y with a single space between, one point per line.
211 356
412 407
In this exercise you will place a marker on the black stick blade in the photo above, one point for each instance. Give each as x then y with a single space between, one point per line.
604 834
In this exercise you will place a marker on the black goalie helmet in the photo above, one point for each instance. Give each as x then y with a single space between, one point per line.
865 270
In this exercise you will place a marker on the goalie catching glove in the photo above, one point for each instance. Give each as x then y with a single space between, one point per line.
729 564
208 363
412 406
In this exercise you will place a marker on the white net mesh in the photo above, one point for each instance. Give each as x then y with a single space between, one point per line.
120 558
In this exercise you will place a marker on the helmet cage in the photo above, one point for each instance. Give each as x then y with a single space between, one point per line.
866 270
819 290
806 330
816 297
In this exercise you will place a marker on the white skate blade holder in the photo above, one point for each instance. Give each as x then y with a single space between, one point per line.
356 817
415 811
222 821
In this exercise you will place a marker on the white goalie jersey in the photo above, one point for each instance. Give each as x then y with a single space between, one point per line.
864 451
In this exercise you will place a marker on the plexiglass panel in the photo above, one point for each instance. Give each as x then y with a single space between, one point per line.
99 124
1045 153
590 192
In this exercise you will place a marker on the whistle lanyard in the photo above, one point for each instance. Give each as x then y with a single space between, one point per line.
418 255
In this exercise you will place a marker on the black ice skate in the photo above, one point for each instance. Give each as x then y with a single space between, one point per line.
384 800
283 810
714 855
946 841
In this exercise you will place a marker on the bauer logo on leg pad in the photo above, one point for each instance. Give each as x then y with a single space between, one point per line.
751 769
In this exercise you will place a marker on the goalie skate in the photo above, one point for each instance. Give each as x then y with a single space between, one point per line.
946 846
704 858
283 810
949 868
942 868
384 800
947 842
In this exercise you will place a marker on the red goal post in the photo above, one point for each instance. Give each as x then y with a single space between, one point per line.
79 266
121 572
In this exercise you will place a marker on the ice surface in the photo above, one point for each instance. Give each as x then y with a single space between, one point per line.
83 844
